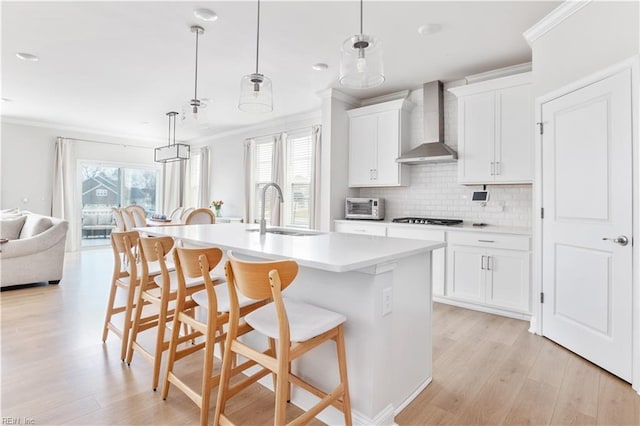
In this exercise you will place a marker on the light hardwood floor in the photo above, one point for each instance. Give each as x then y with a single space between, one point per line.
487 369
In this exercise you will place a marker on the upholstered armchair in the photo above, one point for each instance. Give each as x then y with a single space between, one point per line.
34 255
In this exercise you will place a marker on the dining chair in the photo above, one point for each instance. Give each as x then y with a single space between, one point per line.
200 216
198 264
297 326
186 212
176 214
158 292
127 218
138 214
117 216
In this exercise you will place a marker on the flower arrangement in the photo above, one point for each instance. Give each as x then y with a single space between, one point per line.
216 204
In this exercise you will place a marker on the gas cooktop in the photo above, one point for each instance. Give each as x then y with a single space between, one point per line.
428 221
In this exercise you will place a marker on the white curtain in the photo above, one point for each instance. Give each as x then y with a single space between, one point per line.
203 187
63 190
314 197
277 176
248 170
171 183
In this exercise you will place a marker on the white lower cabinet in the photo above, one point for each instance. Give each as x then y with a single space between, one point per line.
485 271
491 270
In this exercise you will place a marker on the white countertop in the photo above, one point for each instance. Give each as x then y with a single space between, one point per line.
333 251
465 227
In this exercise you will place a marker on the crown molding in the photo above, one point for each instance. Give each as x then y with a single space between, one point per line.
281 123
341 96
500 72
403 94
67 128
554 18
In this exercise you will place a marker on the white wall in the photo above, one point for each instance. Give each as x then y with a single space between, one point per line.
593 38
227 156
434 190
27 155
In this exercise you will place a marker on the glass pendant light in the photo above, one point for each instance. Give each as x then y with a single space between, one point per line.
192 110
255 89
172 151
361 60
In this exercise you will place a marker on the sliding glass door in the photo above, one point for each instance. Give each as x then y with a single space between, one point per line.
107 185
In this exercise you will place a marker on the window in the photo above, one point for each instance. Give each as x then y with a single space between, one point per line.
107 186
298 164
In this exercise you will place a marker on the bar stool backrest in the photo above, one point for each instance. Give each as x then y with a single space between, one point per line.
154 249
123 245
252 279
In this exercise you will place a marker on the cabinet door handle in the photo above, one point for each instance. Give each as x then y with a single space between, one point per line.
493 168
375 174
489 263
498 168
482 262
486 241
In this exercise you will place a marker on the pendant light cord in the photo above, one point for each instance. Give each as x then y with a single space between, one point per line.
258 38
195 91
361 30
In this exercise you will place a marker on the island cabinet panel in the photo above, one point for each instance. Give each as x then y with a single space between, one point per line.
495 131
378 134
438 256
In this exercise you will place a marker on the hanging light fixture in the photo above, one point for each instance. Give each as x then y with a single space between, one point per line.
255 89
192 109
361 61
173 151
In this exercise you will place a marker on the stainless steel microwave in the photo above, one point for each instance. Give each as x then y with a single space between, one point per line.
364 208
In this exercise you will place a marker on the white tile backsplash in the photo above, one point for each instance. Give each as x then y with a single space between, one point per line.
434 190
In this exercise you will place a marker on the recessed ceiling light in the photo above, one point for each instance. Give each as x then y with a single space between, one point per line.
206 100
205 15
27 57
429 29
7 100
145 123
320 66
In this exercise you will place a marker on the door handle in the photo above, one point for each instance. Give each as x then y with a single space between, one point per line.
620 239
489 263
493 168
498 168
482 262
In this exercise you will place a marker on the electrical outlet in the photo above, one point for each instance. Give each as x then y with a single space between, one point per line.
387 300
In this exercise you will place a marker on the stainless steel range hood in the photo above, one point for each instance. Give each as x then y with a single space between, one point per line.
433 150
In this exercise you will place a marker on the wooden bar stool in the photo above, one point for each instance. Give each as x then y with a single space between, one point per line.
158 291
298 327
197 264
125 278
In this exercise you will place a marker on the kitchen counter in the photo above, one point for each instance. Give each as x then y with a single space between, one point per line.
382 285
465 227
331 251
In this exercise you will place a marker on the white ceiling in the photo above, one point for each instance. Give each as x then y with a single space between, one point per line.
110 66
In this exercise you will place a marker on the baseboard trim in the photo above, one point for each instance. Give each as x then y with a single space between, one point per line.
487 309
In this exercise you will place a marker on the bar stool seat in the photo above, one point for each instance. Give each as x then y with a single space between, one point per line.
306 321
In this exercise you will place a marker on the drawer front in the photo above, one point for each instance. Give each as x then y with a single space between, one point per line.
415 233
361 228
485 239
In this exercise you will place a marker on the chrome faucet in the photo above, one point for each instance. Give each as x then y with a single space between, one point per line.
263 222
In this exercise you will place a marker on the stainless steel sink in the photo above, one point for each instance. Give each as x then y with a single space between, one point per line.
288 231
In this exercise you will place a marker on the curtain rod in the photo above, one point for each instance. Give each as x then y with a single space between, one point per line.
106 143
284 131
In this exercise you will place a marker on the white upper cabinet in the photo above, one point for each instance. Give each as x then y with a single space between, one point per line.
495 131
378 134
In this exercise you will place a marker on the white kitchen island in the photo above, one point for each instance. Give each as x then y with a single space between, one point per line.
382 285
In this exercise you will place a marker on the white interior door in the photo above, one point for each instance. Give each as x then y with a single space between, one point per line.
587 200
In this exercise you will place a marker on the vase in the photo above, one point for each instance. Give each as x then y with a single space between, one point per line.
217 209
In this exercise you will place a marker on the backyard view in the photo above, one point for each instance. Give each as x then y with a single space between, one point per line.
104 187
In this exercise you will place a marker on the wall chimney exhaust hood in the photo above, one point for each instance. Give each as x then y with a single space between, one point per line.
433 150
